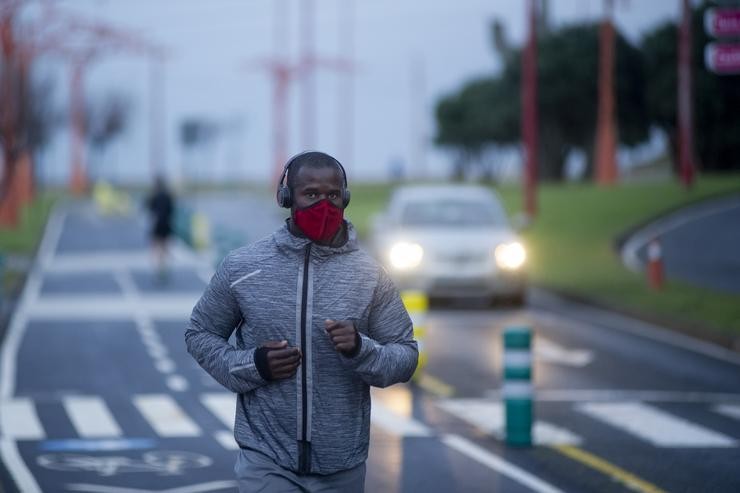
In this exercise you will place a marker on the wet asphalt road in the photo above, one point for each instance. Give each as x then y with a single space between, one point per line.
701 245
102 395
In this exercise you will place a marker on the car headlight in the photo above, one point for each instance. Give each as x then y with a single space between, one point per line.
510 256
405 256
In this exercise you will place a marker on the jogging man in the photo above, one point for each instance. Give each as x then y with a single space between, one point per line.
317 322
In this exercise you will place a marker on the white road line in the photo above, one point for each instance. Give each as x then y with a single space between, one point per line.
91 417
655 426
397 424
17 467
16 330
550 352
19 420
150 337
638 328
70 263
226 439
113 307
165 416
729 410
479 454
157 350
31 289
623 395
164 365
177 383
222 405
488 416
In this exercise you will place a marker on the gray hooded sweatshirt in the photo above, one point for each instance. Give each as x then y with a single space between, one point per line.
283 288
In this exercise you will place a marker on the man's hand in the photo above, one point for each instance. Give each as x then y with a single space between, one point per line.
282 361
343 335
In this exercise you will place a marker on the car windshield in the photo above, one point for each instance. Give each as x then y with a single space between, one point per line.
452 212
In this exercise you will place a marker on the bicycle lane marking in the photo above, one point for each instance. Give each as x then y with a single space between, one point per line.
210 486
166 463
16 330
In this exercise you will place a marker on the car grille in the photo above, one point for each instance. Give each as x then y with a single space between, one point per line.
462 258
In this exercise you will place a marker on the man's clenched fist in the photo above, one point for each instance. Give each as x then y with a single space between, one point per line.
343 335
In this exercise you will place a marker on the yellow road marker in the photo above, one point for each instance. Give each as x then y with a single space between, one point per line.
435 386
617 473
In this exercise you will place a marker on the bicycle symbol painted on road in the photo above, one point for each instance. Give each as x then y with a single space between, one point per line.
163 463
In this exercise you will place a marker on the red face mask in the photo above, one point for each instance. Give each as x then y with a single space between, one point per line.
320 221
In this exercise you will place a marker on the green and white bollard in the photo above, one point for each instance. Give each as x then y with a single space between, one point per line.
517 391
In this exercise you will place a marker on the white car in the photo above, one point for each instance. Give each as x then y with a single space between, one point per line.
450 241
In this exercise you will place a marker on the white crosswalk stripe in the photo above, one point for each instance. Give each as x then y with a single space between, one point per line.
226 439
488 416
395 423
655 426
222 405
729 410
91 417
19 420
165 416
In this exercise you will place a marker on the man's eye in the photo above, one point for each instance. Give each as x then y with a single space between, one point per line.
310 195
333 195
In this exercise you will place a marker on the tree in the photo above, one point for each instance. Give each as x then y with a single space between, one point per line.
105 120
715 97
567 81
467 124
24 108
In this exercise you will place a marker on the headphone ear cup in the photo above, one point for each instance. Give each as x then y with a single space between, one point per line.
283 197
345 197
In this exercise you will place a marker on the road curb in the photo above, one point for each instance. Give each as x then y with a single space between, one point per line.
696 330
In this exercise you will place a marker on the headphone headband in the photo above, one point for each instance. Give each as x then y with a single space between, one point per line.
284 195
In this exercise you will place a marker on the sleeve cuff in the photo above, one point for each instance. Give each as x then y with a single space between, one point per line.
358 346
247 370
364 347
260 362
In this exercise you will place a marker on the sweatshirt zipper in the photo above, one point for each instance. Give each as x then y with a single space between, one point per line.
304 446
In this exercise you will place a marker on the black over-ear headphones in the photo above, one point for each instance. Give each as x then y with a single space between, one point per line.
284 195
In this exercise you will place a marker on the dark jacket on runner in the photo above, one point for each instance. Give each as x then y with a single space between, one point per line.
160 204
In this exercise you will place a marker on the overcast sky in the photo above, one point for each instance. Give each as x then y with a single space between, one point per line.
407 54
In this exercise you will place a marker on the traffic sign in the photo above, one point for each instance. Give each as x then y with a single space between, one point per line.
722 22
722 58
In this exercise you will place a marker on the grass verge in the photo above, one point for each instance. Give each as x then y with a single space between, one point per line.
571 242
23 239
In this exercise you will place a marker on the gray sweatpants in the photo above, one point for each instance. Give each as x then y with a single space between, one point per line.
255 472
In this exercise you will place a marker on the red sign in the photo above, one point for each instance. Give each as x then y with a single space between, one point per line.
722 58
722 22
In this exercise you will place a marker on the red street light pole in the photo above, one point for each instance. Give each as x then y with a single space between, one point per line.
606 132
283 73
79 178
685 109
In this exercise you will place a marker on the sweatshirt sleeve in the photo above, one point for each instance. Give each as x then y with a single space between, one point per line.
388 353
213 320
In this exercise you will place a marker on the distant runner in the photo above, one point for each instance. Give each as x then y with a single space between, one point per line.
161 206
